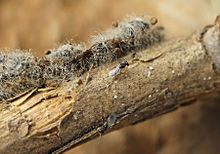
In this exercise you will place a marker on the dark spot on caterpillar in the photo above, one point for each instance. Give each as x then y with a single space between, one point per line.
48 52
153 21
115 24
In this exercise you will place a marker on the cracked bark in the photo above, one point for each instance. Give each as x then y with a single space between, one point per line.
158 80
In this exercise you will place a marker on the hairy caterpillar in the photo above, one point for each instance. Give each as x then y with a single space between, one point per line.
21 71
61 64
131 35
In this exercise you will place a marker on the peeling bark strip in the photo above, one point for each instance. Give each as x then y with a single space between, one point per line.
158 80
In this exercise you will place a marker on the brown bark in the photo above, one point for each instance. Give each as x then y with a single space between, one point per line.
193 129
158 80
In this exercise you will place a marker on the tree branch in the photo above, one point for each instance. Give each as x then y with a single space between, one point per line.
158 80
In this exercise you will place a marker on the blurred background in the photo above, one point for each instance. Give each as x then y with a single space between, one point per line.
43 24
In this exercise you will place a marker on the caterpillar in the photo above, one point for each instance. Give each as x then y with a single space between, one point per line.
20 71
60 65
130 35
